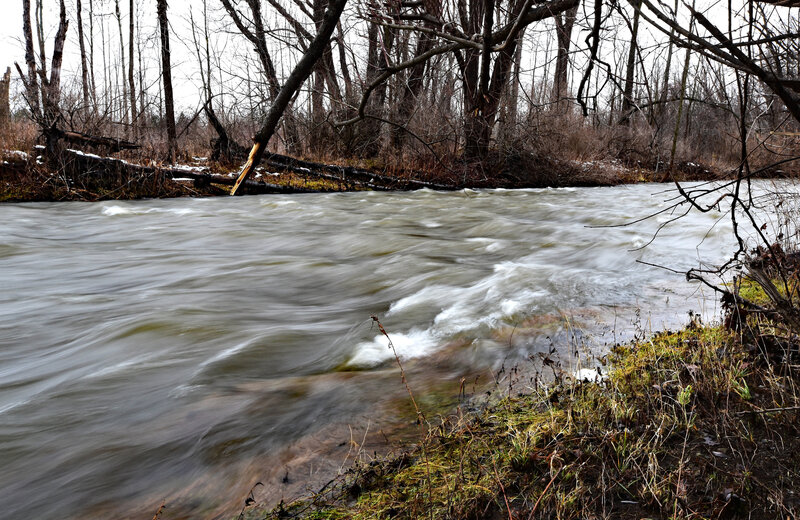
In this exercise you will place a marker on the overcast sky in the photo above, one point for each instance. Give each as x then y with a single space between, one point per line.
233 50
13 49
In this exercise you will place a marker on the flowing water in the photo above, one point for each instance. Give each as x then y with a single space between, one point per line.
181 349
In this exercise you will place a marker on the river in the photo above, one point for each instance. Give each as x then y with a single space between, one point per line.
182 349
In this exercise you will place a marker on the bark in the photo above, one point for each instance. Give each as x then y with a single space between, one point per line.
31 83
5 107
84 65
630 66
326 64
48 113
564 24
91 54
40 36
483 89
296 79
53 85
380 43
108 144
166 74
131 84
348 82
125 111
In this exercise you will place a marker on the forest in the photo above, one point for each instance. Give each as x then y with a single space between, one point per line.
479 93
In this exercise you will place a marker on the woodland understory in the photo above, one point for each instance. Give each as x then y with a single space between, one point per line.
478 93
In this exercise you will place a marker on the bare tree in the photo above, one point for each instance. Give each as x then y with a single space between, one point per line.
84 64
47 113
484 51
564 24
125 111
5 106
131 84
630 66
166 74
295 80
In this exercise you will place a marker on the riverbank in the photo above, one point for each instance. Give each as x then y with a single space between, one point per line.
24 177
698 423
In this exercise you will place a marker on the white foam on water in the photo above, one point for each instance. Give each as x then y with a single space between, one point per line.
121 210
494 247
116 210
416 343
179 211
510 289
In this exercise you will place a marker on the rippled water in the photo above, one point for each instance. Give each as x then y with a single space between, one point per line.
153 349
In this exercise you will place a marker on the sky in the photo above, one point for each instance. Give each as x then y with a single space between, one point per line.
10 32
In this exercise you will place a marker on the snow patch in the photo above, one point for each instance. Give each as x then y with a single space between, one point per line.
16 153
188 168
84 154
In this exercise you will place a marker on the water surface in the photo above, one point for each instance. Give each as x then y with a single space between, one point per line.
153 349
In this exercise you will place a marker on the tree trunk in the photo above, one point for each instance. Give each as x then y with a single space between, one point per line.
166 73
412 88
40 36
5 106
125 112
380 43
348 82
84 65
630 67
564 24
131 84
32 81
91 55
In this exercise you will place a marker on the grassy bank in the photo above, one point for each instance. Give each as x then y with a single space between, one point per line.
699 423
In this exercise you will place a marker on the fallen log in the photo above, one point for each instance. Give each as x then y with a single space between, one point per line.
112 144
89 163
350 174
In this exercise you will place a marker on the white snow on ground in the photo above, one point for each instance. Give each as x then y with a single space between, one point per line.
16 153
84 154
188 168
